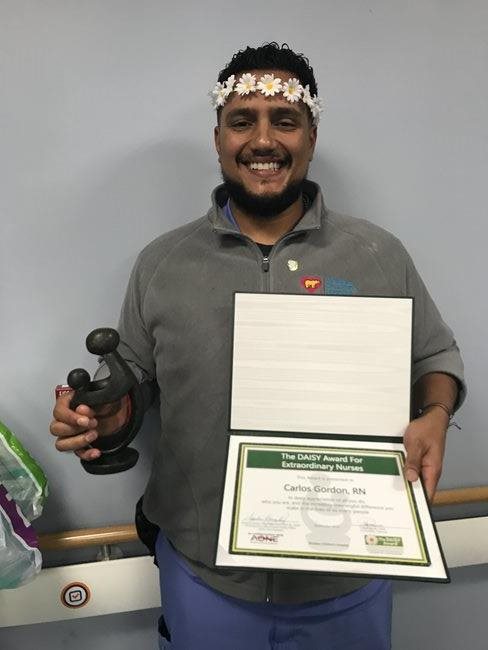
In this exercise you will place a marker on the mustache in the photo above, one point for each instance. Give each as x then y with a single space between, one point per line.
265 153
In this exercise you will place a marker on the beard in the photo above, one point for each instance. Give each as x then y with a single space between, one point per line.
264 206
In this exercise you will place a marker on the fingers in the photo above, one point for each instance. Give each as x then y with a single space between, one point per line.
88 454
432 469
67 422
76 429
80 419
431 476
417 465
425 445
413 463
76 442
61 429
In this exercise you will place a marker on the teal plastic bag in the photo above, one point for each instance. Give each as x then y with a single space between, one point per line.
21 475
23 490
20 558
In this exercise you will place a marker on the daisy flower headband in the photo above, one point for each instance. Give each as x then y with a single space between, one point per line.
268 85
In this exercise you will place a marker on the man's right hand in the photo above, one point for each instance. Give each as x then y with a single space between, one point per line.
76 430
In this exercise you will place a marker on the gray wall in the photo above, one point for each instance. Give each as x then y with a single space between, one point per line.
106 141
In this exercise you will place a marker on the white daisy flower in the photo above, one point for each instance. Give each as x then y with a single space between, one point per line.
314 103
218 95
307 97
247 84
318 107
269 85
221 91
229 84
292 90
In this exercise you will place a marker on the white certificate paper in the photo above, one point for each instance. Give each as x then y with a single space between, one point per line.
321 364
325 505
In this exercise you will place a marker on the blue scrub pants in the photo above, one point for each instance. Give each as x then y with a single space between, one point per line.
196 617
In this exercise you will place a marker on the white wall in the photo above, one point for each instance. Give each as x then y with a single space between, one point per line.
106 141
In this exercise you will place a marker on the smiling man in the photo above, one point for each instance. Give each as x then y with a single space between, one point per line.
265 144
267 230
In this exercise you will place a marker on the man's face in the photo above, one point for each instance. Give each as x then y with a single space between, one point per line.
265 144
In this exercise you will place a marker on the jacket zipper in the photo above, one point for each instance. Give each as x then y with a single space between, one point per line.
265 264
265 261
269 575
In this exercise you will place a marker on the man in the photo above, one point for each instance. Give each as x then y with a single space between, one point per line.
267 231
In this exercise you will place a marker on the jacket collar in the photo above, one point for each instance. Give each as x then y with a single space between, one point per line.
313 218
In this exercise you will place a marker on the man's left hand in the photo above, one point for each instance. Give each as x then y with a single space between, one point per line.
425 442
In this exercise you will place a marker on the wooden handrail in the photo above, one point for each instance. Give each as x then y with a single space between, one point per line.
120 534
460 496
70 539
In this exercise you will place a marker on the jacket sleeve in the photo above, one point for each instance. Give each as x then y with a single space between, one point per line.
136 343
434 346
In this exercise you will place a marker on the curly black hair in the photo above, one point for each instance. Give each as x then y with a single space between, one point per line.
271 56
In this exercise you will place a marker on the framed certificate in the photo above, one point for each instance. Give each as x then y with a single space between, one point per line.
313 504
320 400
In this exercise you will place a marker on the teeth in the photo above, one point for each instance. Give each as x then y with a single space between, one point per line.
269 166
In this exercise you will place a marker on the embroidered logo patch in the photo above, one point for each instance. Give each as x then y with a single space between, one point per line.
311 283
339 287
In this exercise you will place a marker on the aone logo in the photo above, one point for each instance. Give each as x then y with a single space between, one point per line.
264 538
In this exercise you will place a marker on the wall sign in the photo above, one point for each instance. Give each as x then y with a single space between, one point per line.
75 595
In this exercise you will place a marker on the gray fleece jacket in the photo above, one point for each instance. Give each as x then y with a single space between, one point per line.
176 327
